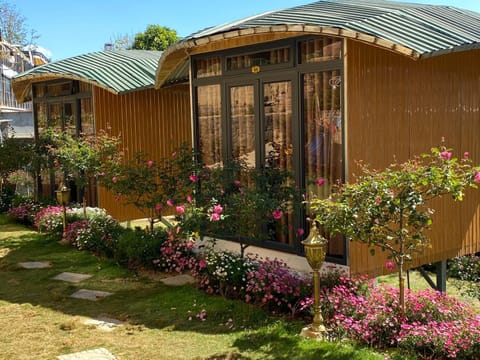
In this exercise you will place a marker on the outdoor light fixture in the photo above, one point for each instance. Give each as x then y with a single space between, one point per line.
315 250
63 197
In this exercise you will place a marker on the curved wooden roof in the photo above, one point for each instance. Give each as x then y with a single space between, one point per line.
414 30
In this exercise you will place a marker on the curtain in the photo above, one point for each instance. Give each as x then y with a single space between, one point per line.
323 137
210 124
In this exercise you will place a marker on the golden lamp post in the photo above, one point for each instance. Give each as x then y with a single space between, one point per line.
315 250
63 197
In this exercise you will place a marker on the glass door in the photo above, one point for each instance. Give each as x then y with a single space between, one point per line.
261 133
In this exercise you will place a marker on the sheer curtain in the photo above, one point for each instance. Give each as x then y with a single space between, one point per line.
323 137
210 124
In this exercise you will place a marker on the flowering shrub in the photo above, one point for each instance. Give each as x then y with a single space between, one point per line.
272 284
465 268
98 234
176 253
49 220
433 323
458 339
223 272
75 230
24 212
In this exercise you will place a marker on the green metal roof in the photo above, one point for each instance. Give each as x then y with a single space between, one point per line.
426 29
414 30
116 71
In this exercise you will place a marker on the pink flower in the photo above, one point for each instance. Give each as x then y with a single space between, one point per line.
446 155
114 179
189 199
193 178
389 265
378 201
320 181
102 174
56 164
158 208
477 177
466 154
237 182
214 217
150 163
300 232
170 202
190 244
202 263
180 209
218 209
277 214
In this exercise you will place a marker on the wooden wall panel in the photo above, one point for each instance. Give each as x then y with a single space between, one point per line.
155 122
398 108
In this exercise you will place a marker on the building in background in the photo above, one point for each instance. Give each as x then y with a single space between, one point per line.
16 119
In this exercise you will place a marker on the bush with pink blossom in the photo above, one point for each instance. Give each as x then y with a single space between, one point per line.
176 252
276 287
25 212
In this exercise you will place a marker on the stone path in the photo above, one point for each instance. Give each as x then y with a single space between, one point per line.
101 323
178 280
92 295
104 323
95 354
72 277
35 264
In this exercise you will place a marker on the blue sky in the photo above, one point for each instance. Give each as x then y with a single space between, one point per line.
70 28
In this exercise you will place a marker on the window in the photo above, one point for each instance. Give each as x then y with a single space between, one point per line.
67 106
319 50
263 58
208 67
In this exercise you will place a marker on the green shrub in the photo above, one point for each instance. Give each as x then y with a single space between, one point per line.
138 248
6 197
465 268
100 236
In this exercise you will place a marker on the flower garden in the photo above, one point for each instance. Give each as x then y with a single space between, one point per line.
426 324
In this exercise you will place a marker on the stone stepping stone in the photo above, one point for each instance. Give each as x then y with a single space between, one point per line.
92 295
104 323
72 277
35 264
95 354
178 280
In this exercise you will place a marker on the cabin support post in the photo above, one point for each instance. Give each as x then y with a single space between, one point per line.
441 272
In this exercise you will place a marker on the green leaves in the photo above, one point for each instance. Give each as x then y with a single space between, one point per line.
391 209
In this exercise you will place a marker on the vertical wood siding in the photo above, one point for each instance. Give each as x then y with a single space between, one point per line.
398 108
155 122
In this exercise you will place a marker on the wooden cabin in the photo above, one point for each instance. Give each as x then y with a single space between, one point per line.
337 81
323 84
113 91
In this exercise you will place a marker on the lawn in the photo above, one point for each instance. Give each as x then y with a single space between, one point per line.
39 319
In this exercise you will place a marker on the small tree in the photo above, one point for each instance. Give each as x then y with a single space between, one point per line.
391 209
81 158
155 37
152 186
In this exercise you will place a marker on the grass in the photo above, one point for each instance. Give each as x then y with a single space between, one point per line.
38 319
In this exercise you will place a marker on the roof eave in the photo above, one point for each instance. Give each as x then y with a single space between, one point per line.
177 53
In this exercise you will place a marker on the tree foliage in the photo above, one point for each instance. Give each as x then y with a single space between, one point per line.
391 209
155 37
81 158
13 25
